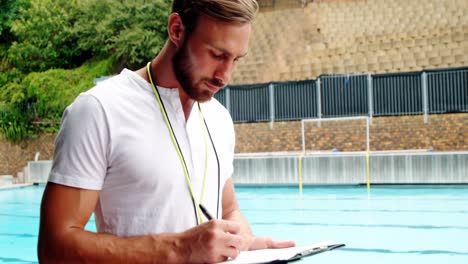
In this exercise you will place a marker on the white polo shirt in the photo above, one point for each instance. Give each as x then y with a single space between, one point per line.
114 139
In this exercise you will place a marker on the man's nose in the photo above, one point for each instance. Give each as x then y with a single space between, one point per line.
224 71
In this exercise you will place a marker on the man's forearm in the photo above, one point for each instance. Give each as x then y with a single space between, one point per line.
86 247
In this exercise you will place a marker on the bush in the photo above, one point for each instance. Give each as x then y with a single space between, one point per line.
44 41
36 103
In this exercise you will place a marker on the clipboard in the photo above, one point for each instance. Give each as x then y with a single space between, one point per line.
283 255
312 251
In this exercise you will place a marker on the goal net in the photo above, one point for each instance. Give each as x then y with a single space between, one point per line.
341 134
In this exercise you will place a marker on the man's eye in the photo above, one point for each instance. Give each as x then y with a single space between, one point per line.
217 56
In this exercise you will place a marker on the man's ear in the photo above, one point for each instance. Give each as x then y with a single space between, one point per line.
175 29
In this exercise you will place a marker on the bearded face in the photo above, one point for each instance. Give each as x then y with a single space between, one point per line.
185 72
205 57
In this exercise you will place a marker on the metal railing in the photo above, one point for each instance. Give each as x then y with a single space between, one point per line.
274 4
426 92
448 91
397 94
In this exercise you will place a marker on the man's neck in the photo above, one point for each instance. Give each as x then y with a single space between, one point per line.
164 76
186 101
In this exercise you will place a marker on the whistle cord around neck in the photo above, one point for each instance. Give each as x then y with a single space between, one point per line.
196 206
217 161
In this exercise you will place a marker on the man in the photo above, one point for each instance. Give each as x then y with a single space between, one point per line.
147 150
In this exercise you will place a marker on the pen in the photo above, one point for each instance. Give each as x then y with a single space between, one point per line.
205 212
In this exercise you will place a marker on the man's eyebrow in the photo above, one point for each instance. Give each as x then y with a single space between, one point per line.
229 53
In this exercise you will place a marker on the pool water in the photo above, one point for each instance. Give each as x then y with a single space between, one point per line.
389 225
19 224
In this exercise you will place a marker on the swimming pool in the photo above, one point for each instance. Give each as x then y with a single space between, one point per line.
390 225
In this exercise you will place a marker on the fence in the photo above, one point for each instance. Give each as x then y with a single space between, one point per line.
426 92
273 4
330 168
350 168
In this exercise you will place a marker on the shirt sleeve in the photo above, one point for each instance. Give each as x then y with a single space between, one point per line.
82 145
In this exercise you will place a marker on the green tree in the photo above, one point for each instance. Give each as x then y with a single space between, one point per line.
9 12
45 39
65 33
36 104
142 39
50 37
13 124
133 31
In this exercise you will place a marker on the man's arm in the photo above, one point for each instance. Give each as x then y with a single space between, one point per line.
231 212
62 238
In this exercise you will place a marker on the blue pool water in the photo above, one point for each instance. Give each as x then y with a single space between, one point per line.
389 225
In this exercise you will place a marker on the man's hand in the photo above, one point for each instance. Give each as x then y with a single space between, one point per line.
232 212
212 241
268 242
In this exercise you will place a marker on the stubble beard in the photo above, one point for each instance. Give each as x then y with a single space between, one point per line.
183 70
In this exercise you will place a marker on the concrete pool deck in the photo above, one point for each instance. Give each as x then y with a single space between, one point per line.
14 186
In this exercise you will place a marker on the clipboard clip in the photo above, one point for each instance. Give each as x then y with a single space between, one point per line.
316 250
312 250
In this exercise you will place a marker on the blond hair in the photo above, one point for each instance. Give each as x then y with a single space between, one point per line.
239 11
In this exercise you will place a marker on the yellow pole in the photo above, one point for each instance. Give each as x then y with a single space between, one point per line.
300 171
368 171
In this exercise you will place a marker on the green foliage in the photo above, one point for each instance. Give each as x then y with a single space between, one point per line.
65 33
54 89
45 37
36 104
13 124
141 40
134 31
42 43
9 12
8 75
93 26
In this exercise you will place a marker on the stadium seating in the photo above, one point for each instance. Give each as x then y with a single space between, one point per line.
353 37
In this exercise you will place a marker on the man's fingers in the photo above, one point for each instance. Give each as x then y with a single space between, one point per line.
226 237
282 244
235 241
213 241
232 252
228 226
267 242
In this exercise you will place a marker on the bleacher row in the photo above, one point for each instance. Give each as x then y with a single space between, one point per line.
355 36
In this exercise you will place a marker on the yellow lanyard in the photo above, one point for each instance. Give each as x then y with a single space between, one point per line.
177 147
